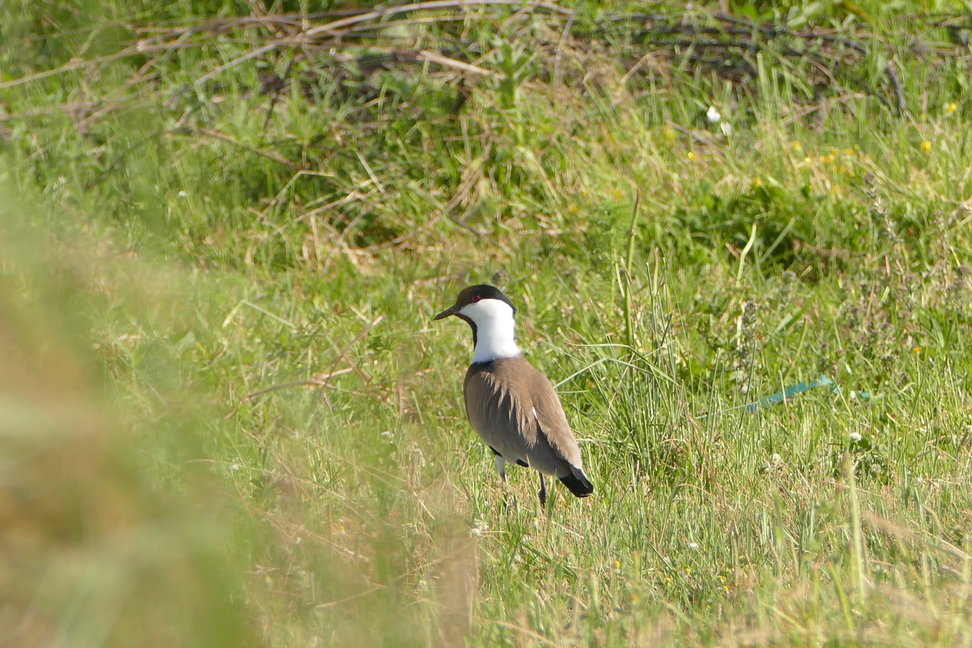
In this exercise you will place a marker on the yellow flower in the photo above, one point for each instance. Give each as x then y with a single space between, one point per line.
848 151
691 156
951 107
688 570
926 146
757 181
617 564
796 146
916 349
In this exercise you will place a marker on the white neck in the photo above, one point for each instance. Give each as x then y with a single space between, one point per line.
494 330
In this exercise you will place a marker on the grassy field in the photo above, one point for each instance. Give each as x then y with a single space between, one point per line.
227 419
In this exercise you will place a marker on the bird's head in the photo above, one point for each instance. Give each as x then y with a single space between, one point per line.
480 305
490 315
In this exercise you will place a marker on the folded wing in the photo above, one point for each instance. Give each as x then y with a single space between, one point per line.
515 409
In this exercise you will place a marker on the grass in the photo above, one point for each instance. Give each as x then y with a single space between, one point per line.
227 419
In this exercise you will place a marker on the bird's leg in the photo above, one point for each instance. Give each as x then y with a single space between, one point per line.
542 493
501 468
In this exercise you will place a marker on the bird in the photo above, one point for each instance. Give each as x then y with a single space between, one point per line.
509 402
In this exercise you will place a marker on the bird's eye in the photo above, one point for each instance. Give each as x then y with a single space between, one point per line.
476 299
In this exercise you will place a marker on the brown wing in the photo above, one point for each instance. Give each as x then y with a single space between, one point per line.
515 409
553 422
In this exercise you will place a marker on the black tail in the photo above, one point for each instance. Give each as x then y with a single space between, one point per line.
577 482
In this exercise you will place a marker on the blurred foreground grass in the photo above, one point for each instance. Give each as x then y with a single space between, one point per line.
225 416
97 549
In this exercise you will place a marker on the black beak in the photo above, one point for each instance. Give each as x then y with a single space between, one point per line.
452 310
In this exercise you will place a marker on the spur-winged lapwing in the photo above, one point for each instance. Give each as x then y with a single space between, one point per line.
510 404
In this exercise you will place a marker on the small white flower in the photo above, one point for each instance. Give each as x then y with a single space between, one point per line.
725 128
234 467
855 436
479 528
693 545
713 115
183 194
776 458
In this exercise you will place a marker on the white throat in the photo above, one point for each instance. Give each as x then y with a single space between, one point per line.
494 329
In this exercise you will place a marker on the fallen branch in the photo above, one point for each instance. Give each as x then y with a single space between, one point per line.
321 380
223 137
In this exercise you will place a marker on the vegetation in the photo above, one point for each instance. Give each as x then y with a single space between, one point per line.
226 418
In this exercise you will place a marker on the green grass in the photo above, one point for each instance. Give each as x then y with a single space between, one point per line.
226 417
